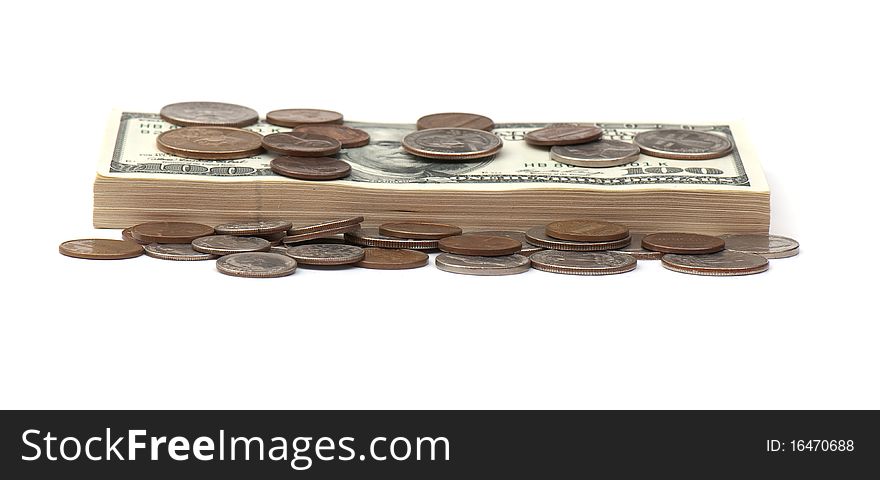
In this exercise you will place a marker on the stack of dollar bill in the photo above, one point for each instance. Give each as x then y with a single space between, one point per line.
518 188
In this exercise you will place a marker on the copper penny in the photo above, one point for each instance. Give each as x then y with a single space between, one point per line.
452 143
682 243
347 136
370 237
455 120
720 264
126 235
302 237
210 143
563 135
100 249
635 249
584 230
392 259
326 225
292 117
527 248
419 230
253 227
538 236
481 245
215 114
310 168
301 144
170 232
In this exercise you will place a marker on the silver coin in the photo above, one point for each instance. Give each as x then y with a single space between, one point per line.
256 227
601 153
452 143
682 144
583 263
722 264
635 249
229 244
256 265
326 254
216 114
370 237
176 251
767 246
476 265
538 236
527 248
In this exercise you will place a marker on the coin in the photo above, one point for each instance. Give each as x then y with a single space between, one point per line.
418 230
292 117
563 134
538 236
636 251
527 248
455 120
229 244
274 238
100 249
724 263
682 243
215 114
767 246
336 238
370 237
301 237
253 227
392 259
481 265
482 245
584 230
176 251
682 144
601 153
126 235
301 144
256 265
326 225
210 143
170 232
310 168
347 136
452 143
583 263
326 254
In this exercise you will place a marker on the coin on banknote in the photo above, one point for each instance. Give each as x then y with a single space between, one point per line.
482 245
370 237
126 235
721 264
229 244
601 153
292 117
310 168
767 246
586 230
210 143
455 120
583 263
100 249
527 248
682 243
256 265
326 254
170 232
253 227
326 225
347 136
208 114
636 251
563 134
538 236
682 144
481 265
392 259
418 230
452 143
329 232
176 251
301 144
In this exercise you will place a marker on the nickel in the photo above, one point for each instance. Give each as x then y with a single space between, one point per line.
176 251
479 265
601 153
256 265
767 246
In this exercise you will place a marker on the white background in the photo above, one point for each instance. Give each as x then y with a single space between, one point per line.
145 333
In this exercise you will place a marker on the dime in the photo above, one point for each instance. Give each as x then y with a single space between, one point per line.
538 236
170 232
370 237
767 246
527 248
326 254
584 230
480 265
255 227
583 263
210 143
256 265
292 117
301 144
301 237
310 168
214 114
682 144
176 251
419 230
126 235
563 135
682 243
392 259
347 136
601 153
100 249
452 143
229 244
636 251
455 120
724 263
327 225
482 245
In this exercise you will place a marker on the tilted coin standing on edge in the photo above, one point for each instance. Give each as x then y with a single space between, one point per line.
229 244
253 227
216 114
479 265
126 235
256 265
682 144
302 237
598 154
583 263
720 264
326 225
452 143
176 251
418 230
392 259
326 254
293 117
455 120
370 237
210 143
101 249
538 236
563 134
767 246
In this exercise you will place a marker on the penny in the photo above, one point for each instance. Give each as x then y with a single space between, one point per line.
452 143
601 153
126 235
212 114
229 244
538 236
293 117
392 259
725 263
584 230
256 265
176 251
254 227
210 143
326 254
482 245
310 168
527 248
326 225
170 232
370 237
273 238
347 136
682 243
583 263
418 230
301 237
563 135
480 265
301 144
682 144
636 251
767 246
455 120
100 249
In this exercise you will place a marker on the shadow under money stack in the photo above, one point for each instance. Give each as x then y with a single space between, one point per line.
215 163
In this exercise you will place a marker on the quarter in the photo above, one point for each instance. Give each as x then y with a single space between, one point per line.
725 263
583 263
326 254
767 246
256 265
601 153
452 143
563 134
682 144
479 265
176 251
229 244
